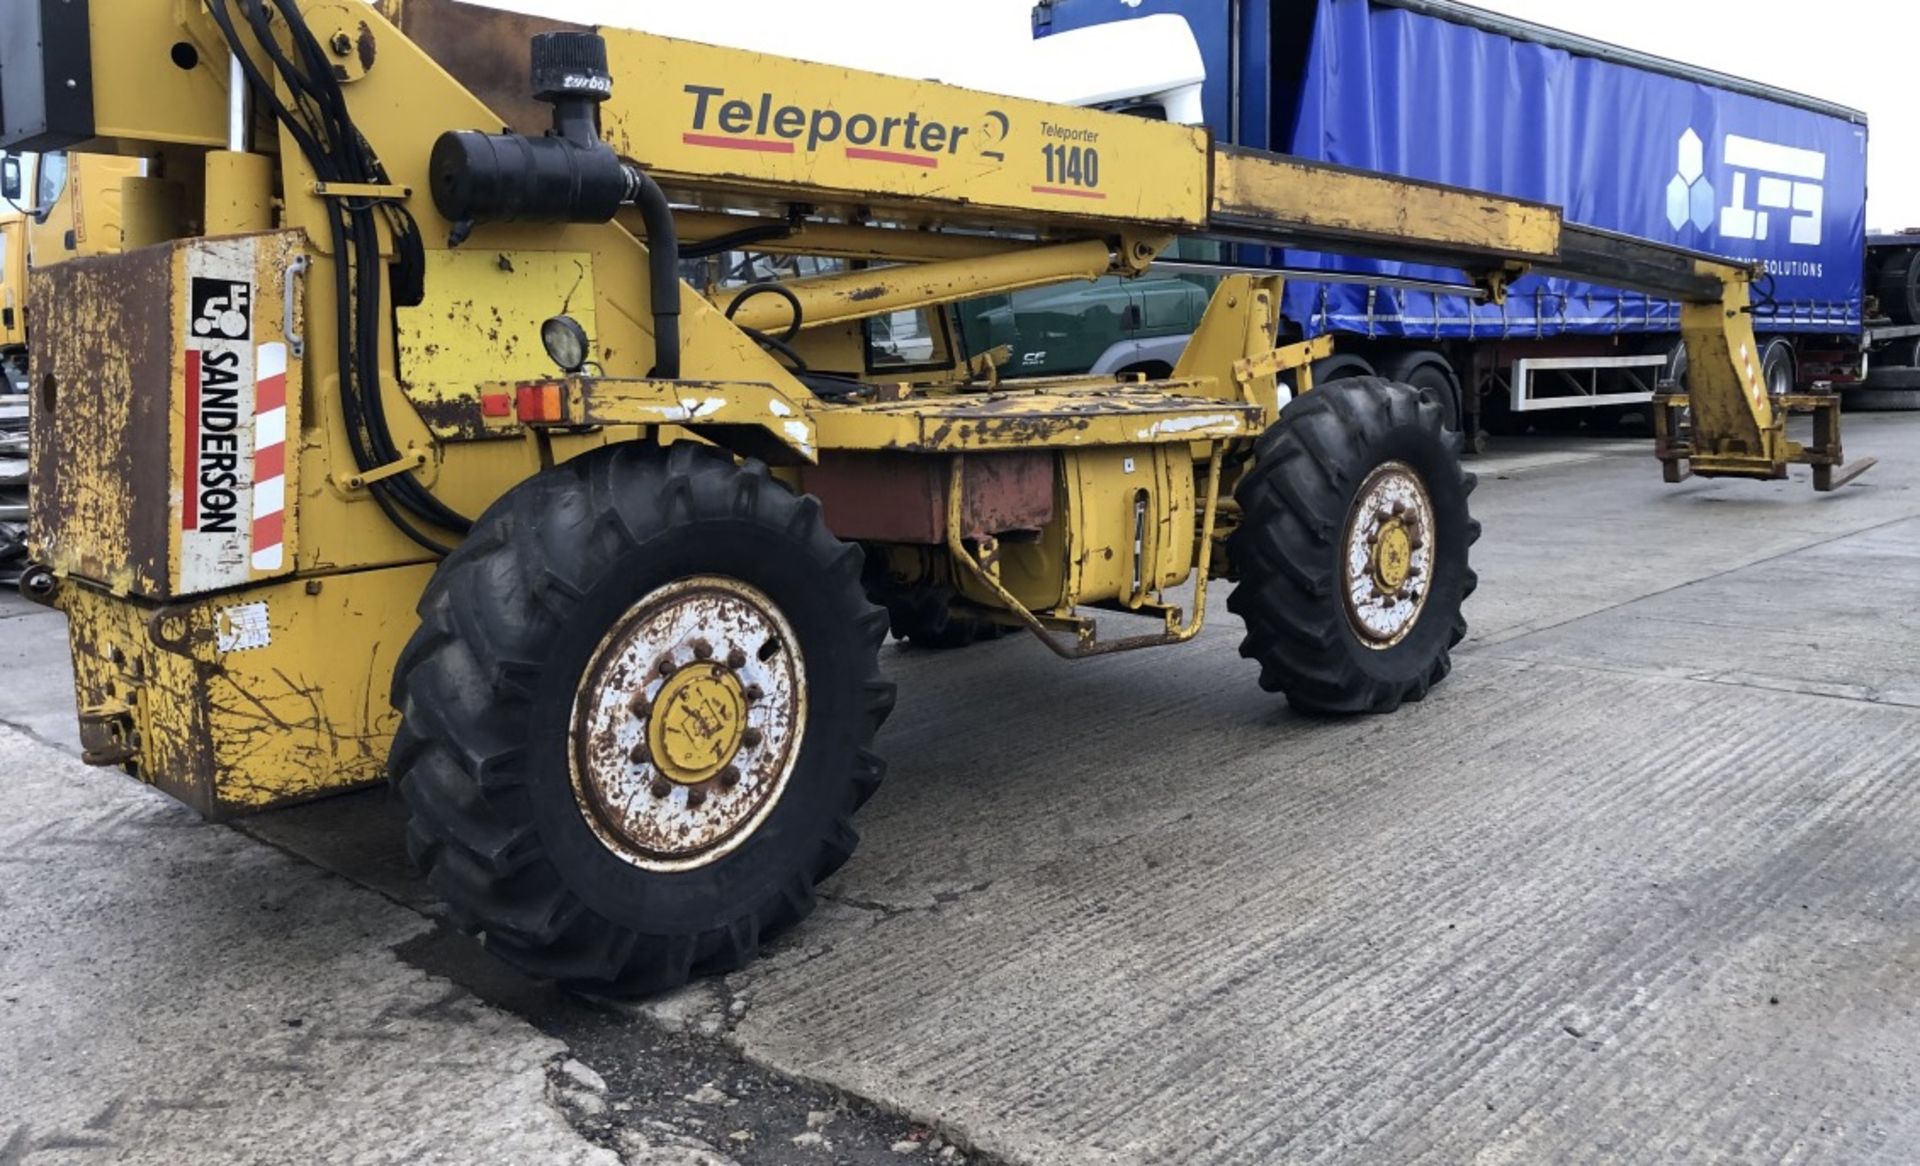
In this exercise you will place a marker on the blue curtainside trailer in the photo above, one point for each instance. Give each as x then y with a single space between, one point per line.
1441 91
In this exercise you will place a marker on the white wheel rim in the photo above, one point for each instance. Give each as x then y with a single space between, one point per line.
687 723
1387 563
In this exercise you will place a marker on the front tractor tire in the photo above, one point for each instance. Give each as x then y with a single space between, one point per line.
637 717
1352 548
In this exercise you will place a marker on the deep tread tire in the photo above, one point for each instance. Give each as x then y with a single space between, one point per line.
926 619
486 689
1295 500
1424 371
1897 284
1871 400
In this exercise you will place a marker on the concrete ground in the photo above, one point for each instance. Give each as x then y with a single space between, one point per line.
1640 882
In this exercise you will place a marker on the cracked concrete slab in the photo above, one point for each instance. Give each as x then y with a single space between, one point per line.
172 991
1634 883
1380 956
1639 881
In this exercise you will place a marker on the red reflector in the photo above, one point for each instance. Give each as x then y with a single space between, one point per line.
496 405
540 403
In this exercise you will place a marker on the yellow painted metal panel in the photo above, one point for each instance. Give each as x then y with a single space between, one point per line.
1333 203
13 281
718 115
480 322
1015 418
241 702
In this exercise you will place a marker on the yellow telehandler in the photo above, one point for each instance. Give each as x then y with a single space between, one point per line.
403 451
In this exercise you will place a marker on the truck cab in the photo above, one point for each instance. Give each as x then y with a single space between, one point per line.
76 209
53 207
1119 326
1127 327
13 299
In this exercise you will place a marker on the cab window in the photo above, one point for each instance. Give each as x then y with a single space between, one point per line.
53 183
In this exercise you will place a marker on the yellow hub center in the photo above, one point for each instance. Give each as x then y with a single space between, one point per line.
1392 556
697 723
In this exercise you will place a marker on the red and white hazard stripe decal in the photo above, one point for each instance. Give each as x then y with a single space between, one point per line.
270 459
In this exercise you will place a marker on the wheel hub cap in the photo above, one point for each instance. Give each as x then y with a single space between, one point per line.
697 722
1388 555
1393 556
687 723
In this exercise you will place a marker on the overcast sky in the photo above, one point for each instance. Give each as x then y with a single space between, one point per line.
1856 52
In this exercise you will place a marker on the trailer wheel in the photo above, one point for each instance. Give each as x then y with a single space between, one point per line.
1878 400
1777 368
637 717
1898 286
1352 549
1427 371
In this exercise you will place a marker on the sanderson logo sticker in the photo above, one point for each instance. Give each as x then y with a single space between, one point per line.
221 313
217 421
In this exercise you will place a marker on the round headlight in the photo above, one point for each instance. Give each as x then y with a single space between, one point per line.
566 342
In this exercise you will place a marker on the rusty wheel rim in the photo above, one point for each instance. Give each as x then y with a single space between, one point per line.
687 723
1387 565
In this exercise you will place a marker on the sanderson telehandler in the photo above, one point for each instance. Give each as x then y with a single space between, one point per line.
395 446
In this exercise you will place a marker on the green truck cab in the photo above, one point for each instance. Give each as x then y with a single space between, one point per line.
1123 327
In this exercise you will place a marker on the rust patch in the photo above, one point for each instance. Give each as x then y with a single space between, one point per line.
1007 492
101 382
458 419
486 50
117 664
367 45
902 497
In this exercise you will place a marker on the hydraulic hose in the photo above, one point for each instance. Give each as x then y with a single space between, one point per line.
663 271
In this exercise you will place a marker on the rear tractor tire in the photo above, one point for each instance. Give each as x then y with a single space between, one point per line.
1352 548
637 717
926 618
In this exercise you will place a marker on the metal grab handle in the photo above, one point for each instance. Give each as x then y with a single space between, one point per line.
296 272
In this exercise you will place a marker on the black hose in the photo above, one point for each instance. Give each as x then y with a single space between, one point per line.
319 122
737 240
663 264
775 345
770 289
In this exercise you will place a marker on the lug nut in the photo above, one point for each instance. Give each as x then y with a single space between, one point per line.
661 788
751 738
640 706
754 693
640 754
696 797
730 777
736 659
665 667
702 650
